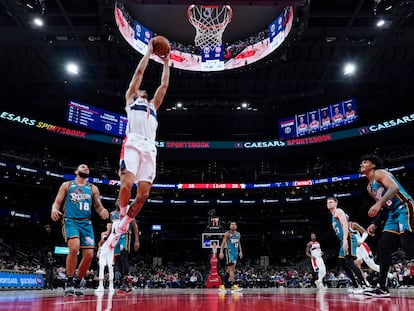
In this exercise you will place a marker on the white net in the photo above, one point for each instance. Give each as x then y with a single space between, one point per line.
209 22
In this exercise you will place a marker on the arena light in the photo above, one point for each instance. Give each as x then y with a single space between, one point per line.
380 23
349 69
38 21
72 68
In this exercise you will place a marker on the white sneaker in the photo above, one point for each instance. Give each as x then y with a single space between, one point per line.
111 288
100 289
235 288
319 284
358 291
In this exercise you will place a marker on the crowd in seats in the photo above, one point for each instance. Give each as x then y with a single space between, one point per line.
232 49
144 276
105 166
14 231
182 274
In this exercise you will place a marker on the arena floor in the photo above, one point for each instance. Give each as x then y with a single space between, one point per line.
206 299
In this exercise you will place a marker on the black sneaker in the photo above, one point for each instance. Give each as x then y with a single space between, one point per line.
69 292
78 292
377 292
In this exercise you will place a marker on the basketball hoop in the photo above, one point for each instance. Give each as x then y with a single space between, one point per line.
209 22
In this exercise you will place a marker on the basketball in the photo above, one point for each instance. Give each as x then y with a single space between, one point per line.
161 46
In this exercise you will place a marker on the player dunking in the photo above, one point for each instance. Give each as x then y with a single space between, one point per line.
232 247
138 154
394 205
78 197
313 250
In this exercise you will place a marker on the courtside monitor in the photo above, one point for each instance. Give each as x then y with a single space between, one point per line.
156 227
62 250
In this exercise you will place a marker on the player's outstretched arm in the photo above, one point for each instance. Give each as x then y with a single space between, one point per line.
165 81
138 75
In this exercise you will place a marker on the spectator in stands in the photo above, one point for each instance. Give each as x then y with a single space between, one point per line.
49 264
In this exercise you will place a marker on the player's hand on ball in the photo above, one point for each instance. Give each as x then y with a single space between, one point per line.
151 46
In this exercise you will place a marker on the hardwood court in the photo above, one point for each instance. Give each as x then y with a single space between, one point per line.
206 300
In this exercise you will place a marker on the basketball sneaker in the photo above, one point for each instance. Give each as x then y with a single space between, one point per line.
235 288
358 291
100 289
79 292
319 284
222 288
69 291
377 292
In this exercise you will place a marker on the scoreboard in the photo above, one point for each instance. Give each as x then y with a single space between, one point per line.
97 119
319 120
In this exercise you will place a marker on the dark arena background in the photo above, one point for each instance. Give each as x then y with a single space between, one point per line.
229 144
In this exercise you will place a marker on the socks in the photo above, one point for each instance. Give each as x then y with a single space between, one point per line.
123 210
122 228
69 282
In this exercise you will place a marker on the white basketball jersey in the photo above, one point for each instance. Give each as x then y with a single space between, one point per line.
142 118
315 249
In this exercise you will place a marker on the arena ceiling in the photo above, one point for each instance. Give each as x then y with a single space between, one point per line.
304 73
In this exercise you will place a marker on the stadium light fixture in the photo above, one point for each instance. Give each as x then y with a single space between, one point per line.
38 21
72 68
349 69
